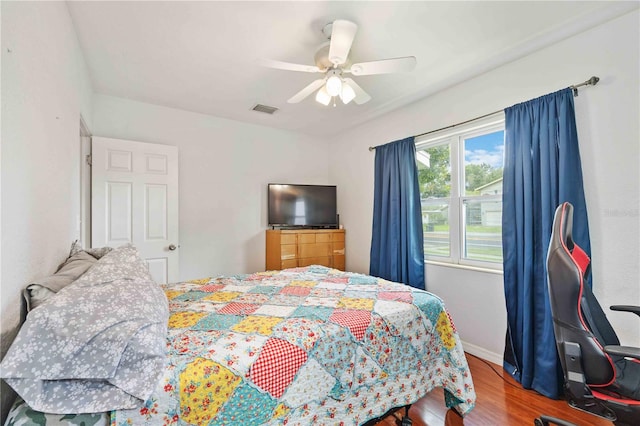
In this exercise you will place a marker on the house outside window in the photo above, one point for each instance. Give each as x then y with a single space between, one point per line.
460 176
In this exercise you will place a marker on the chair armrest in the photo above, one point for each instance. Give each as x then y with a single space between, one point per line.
626 351
626 308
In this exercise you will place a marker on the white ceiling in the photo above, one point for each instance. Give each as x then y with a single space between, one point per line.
203 56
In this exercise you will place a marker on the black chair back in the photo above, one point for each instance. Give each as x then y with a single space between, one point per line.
577 315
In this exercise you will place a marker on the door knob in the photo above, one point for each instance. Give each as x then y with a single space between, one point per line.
172 247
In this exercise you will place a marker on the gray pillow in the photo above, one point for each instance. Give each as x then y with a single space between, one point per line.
97 252
72 269
78 262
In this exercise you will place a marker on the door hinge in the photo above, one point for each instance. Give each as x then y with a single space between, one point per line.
88 159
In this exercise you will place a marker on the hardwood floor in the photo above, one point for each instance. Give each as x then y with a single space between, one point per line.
500 401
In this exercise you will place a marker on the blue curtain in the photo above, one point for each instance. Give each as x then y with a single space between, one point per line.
397 241
541 170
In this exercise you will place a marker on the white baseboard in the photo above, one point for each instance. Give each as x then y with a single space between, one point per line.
482 353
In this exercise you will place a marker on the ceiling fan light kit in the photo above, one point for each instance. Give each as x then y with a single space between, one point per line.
323 97
347 94
334 85
331 59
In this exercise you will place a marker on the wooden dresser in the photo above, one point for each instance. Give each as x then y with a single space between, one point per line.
304 247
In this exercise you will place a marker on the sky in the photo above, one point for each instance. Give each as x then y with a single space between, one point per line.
487 149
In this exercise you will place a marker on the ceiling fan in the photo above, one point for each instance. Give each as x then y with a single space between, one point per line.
331 59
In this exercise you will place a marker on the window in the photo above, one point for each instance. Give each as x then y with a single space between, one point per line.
460 175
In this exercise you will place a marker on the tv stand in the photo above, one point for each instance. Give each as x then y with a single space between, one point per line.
290 248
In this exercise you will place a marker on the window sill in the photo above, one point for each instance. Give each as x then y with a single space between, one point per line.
466 267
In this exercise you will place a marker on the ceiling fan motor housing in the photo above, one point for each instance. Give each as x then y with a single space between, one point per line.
321 57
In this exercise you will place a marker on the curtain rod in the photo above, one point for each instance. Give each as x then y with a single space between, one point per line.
591 82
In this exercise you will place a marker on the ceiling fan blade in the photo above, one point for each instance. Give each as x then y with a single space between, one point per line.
384 66
288 66
306 91
361 96
342 34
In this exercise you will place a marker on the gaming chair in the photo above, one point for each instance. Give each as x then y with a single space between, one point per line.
600 376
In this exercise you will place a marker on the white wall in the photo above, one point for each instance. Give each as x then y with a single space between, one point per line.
45 88
607 119
224 170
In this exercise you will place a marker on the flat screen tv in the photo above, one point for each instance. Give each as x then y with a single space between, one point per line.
307 206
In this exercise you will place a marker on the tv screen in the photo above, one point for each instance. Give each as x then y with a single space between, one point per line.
302 205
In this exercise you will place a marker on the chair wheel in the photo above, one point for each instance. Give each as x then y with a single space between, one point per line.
406 421
538 422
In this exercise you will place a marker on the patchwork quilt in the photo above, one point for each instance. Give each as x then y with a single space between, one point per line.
302 346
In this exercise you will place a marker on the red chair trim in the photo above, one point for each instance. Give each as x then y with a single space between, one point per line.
581 258
611 398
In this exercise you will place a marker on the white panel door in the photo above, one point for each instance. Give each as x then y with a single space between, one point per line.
134 198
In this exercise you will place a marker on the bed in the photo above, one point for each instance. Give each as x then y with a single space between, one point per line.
302 346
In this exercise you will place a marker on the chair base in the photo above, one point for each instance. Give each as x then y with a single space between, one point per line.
619 413
591 405
626 415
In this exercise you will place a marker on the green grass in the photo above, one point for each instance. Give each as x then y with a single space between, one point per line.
474 252
485 229
489 254
471 228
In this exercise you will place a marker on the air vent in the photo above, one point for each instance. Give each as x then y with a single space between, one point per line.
264 108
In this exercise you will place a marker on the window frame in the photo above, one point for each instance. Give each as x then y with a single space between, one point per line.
455 138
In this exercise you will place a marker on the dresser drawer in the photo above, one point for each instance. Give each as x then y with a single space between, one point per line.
306 238
288 251
338 262
314 250
337 236
319 260
288 239
323 238
289 263
337 247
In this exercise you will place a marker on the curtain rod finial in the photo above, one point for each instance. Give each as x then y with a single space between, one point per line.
372 148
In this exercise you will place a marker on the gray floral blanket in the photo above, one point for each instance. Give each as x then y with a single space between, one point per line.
99 345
